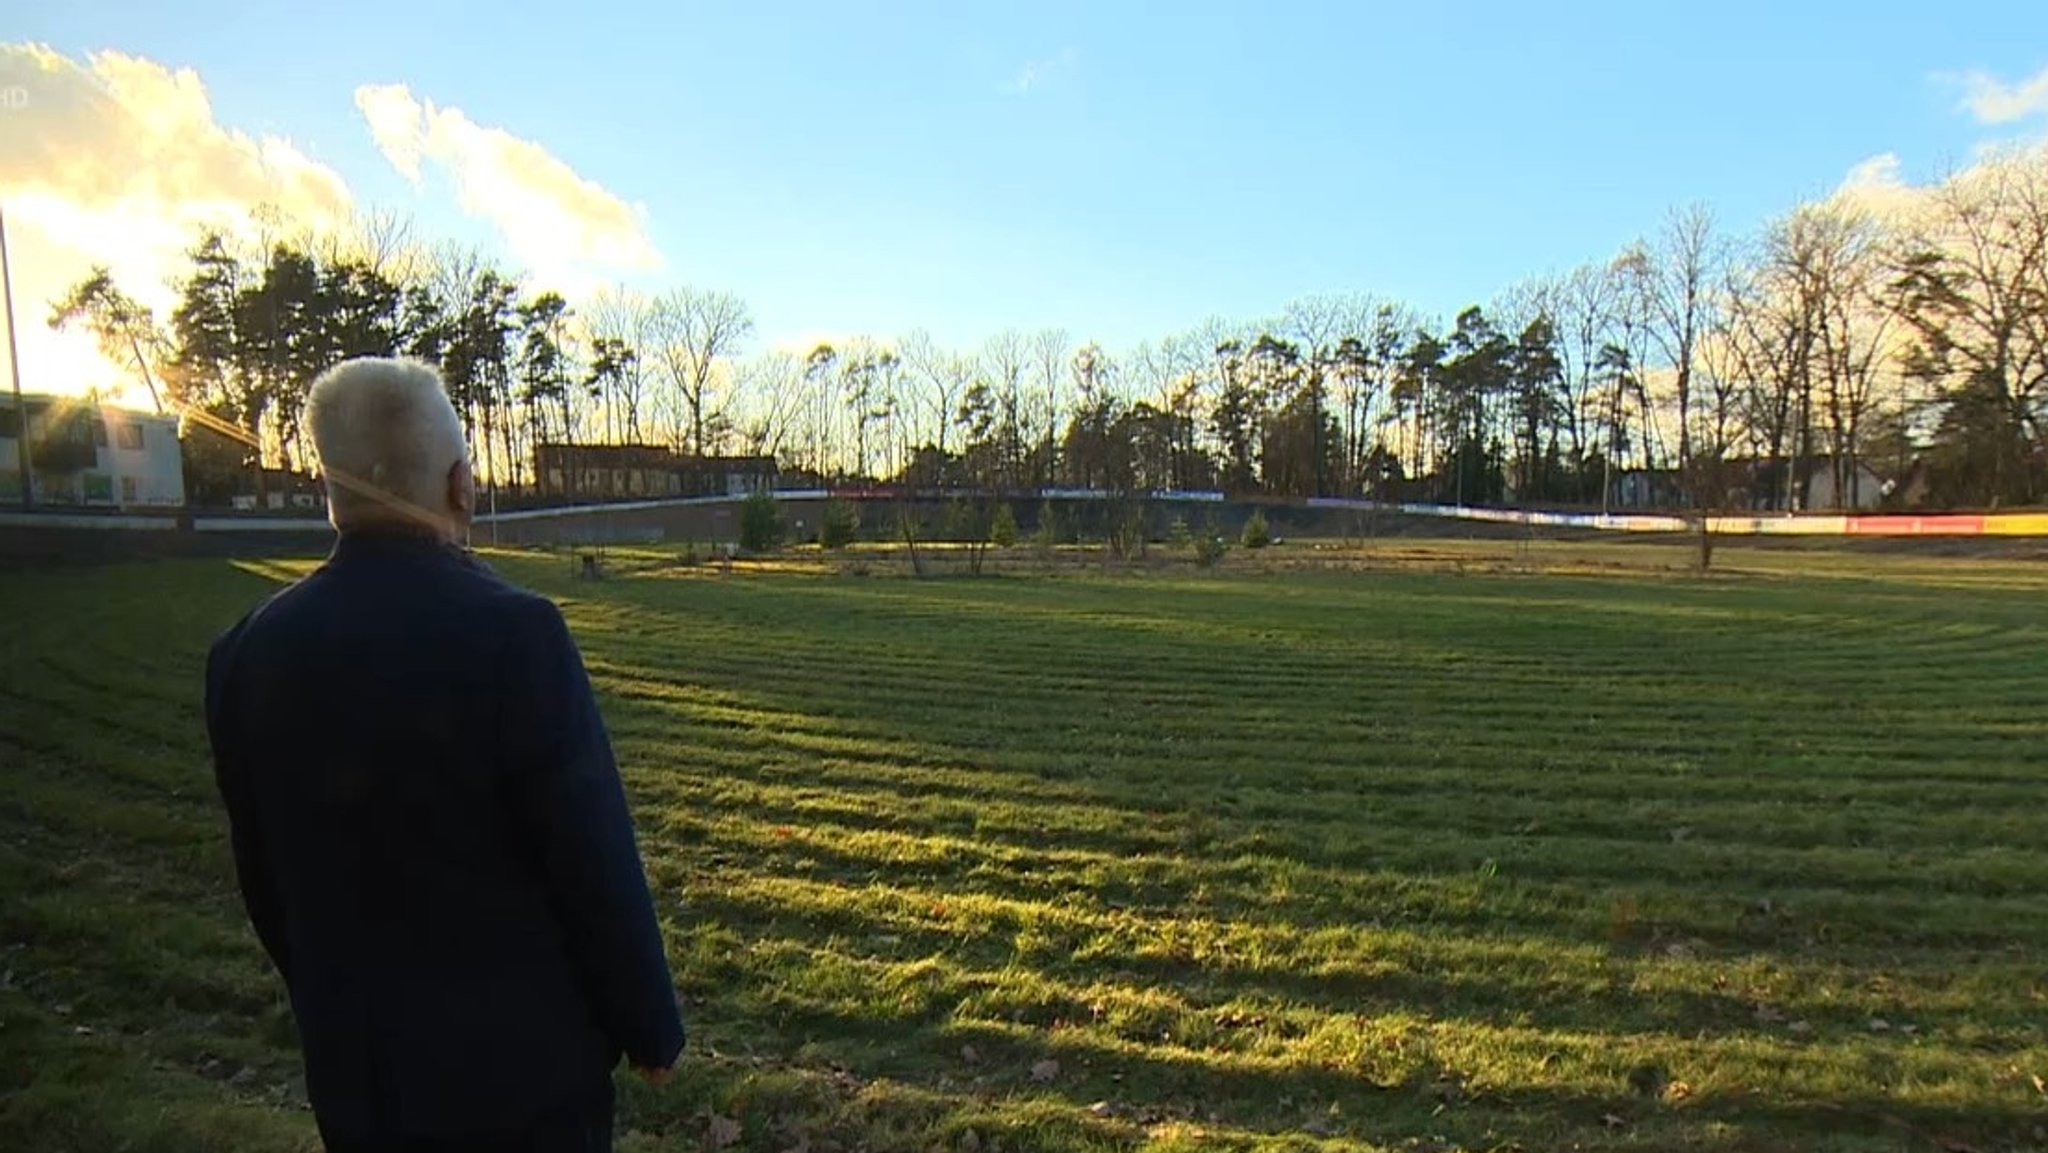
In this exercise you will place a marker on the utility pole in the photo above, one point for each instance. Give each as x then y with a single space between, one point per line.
28 498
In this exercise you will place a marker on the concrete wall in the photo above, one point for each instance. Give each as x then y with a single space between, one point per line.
715 520
706 521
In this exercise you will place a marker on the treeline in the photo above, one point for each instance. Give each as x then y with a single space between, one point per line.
1693 369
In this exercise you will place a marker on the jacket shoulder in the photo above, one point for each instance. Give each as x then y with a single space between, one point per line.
506 600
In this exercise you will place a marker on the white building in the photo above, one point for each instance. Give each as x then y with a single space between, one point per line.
82 453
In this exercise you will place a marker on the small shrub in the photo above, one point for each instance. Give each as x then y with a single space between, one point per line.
760 523
839 525
1179 537
1126 539
961 523
967 521
1257 534
1002 532
1048 534
1210 545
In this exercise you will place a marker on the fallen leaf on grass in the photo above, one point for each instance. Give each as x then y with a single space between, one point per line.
970 1054
1879 1025
1102 1109
1612 1121
2040 1086
1678 1091
1045 1070
724 1132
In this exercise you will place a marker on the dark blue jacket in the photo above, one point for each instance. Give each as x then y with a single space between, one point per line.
433 844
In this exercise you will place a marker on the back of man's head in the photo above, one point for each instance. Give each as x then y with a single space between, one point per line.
391 447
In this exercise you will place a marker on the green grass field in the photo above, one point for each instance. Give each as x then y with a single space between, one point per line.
1404 859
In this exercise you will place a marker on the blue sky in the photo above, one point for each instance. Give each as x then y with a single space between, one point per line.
1120 169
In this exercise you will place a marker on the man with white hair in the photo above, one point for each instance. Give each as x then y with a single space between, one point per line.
429 829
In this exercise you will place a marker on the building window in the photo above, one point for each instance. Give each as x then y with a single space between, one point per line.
128 435
128 484
10 422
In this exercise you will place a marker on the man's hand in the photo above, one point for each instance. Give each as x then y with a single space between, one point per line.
656 1077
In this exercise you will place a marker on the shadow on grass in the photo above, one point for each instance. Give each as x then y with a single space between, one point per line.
917 1077
1360 986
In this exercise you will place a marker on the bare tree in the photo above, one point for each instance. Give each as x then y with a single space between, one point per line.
694 333
1765 341
1163 376
1583 306
942 378
1051 349
381 240
1317 323
768 394
1683 270
868 372
1628 348
821 408
626 319
1719 429
1802 328
1971 290
1854 337
1004 361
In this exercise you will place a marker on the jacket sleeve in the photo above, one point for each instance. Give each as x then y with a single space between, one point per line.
567 789
253 874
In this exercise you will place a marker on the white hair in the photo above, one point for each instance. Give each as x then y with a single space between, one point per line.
386 434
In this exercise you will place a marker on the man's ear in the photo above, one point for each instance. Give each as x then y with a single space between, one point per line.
462 489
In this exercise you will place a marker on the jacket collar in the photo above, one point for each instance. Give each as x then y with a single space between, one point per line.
393 541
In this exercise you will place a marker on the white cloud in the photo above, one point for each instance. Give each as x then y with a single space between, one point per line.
570 231
118 160
1878 186
394 120
1880 171
1037 74
1993 101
